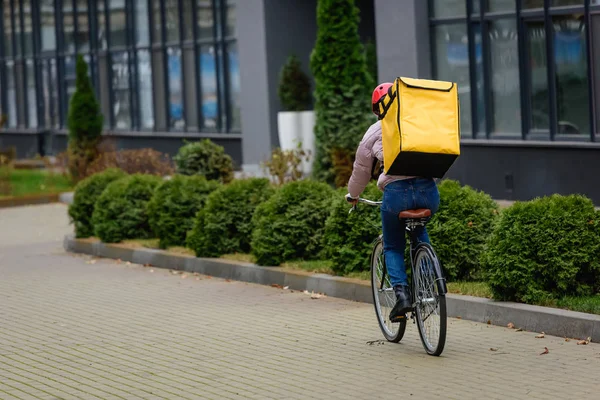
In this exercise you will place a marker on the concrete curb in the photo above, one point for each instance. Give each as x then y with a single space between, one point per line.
36 199
552 321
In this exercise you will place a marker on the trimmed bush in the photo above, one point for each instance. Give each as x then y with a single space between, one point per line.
342 89
84 121
348 238
205 158
175 203
460 229
121 211
294 86
290 224
544 249
224 225
87 193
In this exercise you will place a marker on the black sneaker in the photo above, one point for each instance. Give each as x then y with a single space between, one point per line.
403 303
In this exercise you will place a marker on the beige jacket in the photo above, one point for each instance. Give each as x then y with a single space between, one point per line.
369 150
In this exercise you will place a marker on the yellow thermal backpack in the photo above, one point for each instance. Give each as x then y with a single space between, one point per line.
420 125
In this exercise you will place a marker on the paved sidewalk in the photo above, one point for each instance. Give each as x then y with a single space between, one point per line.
76 328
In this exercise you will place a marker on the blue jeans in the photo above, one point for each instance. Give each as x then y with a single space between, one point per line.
408 194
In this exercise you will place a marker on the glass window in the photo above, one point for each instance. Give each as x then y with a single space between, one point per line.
205 19
172 20
558 3
156 21
70 75
479 81
31 95
504 56
120 87
538 75
118 23
188 20
571 75
68 27
17 29
501 5
234 87
102 33
12 94
449 8
50 94
176 119
533 4
452 64
83 26
8 32
142 23
48 33
208 81
145 95
28 23
230 27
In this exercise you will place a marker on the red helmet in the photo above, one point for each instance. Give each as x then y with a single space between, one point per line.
379 94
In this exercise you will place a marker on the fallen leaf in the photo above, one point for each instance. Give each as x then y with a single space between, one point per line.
470 224
197 279
489 322
306 292
546 351
540 336
493 349
127 263
151 270
183 276
458 317
584 341
208 277
119 261
227 280
275 285
567 339
196 274
316 295
147 265
91 262
175 272
286 287
511 325
519 330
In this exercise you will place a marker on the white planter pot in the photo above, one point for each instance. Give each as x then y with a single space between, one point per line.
294 127
288 124
307 136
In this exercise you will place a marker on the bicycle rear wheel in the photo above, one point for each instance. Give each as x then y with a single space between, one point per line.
430 299
384 297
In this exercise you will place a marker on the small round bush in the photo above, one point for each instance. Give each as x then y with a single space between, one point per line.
175 203
290 224
205 158
460 229
87 193
544 248
348 238
121 211
224 225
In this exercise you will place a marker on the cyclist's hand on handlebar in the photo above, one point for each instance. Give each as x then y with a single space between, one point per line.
352 200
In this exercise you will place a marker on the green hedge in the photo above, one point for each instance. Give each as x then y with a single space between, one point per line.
460 229
544 249
348 238
205 158
224 225
290 224
121 211
87 193
175 203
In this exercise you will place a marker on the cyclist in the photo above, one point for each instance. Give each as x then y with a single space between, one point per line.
400 193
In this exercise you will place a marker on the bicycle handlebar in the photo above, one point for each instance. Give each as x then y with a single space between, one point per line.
364 201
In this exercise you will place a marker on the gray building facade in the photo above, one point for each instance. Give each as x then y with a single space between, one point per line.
167 71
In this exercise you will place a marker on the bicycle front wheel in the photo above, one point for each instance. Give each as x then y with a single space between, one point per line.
430 299
384 297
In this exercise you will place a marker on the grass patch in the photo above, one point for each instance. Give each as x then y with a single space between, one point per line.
586 304
241 257
153 244
477 289
28 182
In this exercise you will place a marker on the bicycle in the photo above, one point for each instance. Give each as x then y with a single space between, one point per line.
427 284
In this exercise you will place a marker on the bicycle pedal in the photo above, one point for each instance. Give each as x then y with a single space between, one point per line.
399 318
